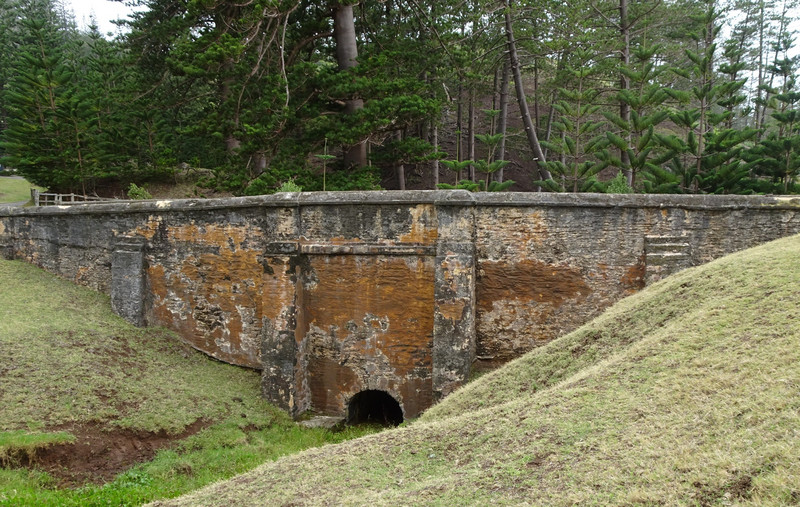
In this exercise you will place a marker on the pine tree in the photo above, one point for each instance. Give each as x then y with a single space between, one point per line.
644 98
777 156
707 158
46 136
575 170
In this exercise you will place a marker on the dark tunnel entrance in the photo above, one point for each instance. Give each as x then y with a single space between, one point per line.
374 407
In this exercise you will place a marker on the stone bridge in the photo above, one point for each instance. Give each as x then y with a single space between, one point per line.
343 298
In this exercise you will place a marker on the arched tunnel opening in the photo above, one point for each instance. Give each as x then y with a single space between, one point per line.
374 407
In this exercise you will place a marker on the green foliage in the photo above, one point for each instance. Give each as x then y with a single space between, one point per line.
776 158
644 99
290 186
619 185
252 91
364 178
479 186
575 167
49 122
137 192
708 156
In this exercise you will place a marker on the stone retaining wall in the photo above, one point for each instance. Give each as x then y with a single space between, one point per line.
331 294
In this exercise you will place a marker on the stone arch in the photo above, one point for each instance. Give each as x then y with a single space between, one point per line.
374 406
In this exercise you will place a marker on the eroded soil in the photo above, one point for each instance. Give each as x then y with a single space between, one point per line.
97 455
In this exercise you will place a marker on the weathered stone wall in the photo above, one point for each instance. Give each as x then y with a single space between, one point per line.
373 295
201 261
336 293
548 263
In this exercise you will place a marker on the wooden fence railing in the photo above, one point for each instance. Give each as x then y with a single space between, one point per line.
47 199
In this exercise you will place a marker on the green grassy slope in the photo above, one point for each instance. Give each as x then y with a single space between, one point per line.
68 359
687 393
70 366
15 189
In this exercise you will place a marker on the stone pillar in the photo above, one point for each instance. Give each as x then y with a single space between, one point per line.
279 344
6 238
280 286
454 297
128 280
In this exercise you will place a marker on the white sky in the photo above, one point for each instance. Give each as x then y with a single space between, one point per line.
103 10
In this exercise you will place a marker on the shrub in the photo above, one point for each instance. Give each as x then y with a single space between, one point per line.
137 192
619 185
290 186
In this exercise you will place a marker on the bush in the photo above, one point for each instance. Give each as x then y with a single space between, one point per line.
290 186
619 185
137 192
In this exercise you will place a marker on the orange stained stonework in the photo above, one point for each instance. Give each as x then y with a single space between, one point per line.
423 230
213 298
634 278
278 288
528 280
514 226
366 319
149 229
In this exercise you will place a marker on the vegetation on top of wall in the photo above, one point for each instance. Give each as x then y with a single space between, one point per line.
653 402
137 192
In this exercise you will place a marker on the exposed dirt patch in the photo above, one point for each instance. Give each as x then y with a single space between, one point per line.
740 487
580 348
97 456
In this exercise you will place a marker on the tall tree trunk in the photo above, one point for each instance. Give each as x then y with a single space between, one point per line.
495 91
760 106
232 143
536 120
782 21
435 161
344 31
502 125
530 132
551 116
459 125
400 168
624 85
471 133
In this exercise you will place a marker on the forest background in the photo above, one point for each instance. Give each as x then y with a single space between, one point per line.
665 96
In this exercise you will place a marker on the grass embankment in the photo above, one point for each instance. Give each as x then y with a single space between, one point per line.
687 393
15 189
73 371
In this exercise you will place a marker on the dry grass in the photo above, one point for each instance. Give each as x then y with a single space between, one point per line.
687 393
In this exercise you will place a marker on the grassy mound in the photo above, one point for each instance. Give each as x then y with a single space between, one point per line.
687 393
84 396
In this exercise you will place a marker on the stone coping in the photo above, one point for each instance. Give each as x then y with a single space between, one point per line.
435 197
